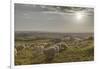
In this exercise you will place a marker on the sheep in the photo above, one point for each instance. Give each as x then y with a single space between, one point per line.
19 48
50 53
38 49
26 45
15 51
53 51
56 48
62 46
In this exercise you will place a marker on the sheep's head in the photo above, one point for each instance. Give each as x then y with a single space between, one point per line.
63 47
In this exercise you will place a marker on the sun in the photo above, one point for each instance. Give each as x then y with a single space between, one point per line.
79 16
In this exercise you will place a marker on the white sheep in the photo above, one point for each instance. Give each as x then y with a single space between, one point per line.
38 49
50 53
54 50
15 51
62 46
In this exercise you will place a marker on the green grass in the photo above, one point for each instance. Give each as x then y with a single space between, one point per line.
75 55
71 54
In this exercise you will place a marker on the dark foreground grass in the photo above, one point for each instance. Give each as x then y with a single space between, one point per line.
76 55
71 54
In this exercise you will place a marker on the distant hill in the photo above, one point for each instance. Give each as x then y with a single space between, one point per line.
33 35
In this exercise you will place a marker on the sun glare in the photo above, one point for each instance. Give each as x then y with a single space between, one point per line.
79 16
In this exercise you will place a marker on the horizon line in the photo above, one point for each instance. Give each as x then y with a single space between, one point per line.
50 31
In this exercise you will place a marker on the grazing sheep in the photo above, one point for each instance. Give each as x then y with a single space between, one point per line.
15 51
26 45
62 46
19 48
52 51
32 46
38 49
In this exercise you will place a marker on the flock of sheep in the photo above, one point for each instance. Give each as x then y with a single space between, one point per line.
49 52
48 48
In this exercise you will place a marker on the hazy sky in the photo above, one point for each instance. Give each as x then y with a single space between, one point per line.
53 18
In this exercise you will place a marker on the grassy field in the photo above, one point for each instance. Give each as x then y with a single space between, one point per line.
77 51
